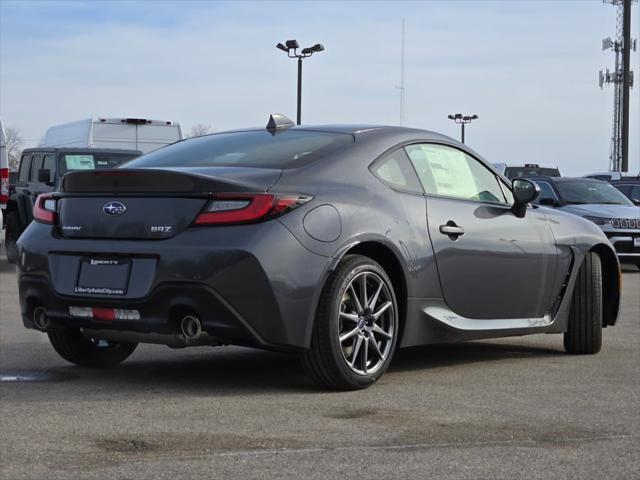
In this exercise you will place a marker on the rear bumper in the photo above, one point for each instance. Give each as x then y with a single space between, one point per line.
160 312
250 285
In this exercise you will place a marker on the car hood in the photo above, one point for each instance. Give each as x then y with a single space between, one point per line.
603 210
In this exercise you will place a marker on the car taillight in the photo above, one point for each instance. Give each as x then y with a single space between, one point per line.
4 185
232 208
44 210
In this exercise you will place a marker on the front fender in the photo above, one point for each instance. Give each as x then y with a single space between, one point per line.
572 231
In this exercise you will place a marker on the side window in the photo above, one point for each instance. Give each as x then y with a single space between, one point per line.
508 194
395 171
450 172
36 164
546 192
49 163
626 189
25 165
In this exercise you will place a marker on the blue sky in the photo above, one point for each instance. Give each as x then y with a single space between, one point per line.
527 68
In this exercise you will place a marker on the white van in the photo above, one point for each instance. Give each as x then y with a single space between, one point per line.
117 133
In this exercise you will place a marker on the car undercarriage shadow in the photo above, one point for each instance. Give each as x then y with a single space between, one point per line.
230 371
443 355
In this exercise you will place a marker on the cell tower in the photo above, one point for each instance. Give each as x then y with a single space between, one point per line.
622 80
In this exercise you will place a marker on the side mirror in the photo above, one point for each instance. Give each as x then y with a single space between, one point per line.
524 192
44 176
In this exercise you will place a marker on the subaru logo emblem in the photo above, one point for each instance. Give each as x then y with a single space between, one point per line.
114 208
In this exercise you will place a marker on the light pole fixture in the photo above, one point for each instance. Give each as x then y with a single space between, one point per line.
462 120
291 48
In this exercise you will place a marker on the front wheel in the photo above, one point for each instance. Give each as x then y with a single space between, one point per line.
74 347
584 332
356 326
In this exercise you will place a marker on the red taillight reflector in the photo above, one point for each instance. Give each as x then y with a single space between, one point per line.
104 314
4 185
227 208
44 209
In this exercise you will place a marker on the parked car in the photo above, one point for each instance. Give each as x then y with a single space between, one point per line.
39 172
604 176
341 243
114 133
4 175
601 203
527 170
630 186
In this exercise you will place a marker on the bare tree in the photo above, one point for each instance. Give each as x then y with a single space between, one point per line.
14 147
199 130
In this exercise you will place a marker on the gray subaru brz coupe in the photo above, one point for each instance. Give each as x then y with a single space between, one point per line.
341 243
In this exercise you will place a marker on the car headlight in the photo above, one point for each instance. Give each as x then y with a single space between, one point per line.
599 220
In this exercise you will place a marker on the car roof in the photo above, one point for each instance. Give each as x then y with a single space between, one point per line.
357 130
79 149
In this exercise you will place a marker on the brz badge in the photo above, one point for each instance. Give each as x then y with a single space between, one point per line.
114 208
161 229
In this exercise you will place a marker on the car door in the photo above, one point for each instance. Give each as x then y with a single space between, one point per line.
22 183
492 264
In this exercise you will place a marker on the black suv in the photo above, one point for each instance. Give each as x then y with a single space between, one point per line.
40 170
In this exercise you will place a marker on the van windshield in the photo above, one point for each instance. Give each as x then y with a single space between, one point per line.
256 148
74 161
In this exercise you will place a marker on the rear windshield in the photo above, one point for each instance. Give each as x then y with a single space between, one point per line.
71 162
285 149
584 192
515 172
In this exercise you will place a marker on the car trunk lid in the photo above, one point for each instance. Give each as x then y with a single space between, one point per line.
147 203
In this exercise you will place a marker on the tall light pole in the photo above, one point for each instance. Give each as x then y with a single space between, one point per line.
462 120
293 45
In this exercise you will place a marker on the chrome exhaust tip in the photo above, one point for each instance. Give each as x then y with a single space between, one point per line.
40 318
190 327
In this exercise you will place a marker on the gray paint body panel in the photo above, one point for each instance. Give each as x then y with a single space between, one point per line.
504 272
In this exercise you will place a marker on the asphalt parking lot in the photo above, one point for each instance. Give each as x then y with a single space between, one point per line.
513 408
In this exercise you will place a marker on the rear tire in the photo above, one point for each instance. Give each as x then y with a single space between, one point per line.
355 330
12 233
76 348
584 332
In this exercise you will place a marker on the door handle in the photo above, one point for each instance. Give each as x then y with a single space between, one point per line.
452 230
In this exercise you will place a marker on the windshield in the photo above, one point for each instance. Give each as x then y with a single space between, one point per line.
515 172
578 192
70 162
260 148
